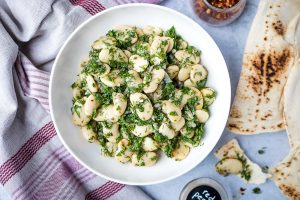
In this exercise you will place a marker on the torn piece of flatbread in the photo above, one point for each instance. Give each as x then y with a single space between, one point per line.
251 172
292 105
286 174
268 57
292 88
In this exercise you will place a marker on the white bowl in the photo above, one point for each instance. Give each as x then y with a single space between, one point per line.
66 67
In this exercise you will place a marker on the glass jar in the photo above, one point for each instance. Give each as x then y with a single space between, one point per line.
204 188
218 16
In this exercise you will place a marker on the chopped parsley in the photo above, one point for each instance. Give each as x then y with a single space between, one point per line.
144 38
168 91
158 116
246 172
153 158
160 138
199 133
74 85
76 108
116 64
173 113
83 83
262 150
170 146
136 144
140 107
201 84
93 65
265 169
147 78
122 152
172 34
256 190
192 50
104 149
123 38
141 49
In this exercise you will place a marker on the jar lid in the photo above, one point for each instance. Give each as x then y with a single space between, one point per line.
203 189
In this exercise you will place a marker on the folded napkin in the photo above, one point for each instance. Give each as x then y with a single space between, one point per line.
33 162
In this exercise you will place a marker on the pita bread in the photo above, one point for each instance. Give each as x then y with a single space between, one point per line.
292 105
292 87
286 175
230 150
268 57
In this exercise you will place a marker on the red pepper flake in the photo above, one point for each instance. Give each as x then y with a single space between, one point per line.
242 190
223 4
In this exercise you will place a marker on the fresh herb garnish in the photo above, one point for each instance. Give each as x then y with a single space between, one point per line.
140 107
168 91
246 172
262 150
141 49
74 85
171 145
265 169
160 138
192 50
201 84
172 34
76 108
144 38
123 38
173 113
93 65
153 158
256 190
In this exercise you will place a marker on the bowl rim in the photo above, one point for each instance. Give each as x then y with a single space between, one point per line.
147 5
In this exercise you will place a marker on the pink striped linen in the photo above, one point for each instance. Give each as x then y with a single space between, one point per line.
48 165
104 191
91 6
33 162
34 82
17 161
49 188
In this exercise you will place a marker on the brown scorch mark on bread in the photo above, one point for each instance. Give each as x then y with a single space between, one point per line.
290 191
235 112
278 27
268 68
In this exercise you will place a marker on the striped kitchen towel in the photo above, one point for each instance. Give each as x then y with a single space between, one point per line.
33 162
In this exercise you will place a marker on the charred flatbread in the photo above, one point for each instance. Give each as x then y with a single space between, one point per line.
292 87
286 174
268 57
